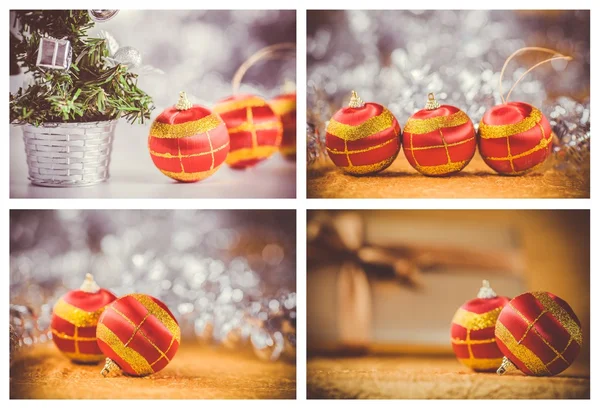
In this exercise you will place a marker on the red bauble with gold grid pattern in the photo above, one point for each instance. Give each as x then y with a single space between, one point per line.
254 129
285 106
514 138
187 142
539 334
363 138
138 334
472 331
74 320
439 140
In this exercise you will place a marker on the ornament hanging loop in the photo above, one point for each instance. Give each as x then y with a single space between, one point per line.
279 51
522 50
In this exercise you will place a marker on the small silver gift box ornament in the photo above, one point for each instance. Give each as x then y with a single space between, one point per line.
54 54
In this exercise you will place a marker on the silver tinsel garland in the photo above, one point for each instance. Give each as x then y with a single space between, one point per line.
229 278
397 57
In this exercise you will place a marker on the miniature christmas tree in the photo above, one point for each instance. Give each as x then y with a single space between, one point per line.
72 80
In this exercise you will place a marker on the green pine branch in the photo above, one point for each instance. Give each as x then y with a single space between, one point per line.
89 91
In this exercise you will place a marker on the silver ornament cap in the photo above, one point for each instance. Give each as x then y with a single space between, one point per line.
101 16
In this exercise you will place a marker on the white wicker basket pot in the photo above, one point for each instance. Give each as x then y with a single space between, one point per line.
69 154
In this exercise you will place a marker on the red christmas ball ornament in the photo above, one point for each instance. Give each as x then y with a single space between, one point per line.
285 106
439 140
363 138
254 129
74 321
539 334
187 142
514 138
138 334
472 330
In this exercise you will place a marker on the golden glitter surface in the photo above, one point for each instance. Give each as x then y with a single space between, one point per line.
191 155
444 169
544 142
423 126
229 106
76 316
258 152
262 126
370 127
283 106
85 358
481 364
185 130
561 315
474 321
523 354
137 362
189 176
502 131
358 170
159 313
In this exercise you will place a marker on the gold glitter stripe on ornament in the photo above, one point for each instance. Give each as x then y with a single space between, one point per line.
458 341
561 315
423 126
225 107
137 362
76 316
544 142
168 131
283 106
502 131
370 127
366 169
262 126
163 316
260 152
287 150
523 354
442 169
423 148
62 335
79 357
481 364
189 176
370 148
474 321
192 155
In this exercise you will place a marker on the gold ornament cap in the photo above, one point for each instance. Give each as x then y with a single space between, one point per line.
506 366
183 104
356 101
89 285
486 291
109 366
431 102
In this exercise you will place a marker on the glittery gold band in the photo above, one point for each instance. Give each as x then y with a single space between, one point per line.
253 102
288 150
474 321
458 341
87 358
523 354
544 142
423 126
76 316
62 335
367 169
370 148
283 106
502 131
262 126
441 169
137 362
259 152
481 364
424 148
187 129
561 316
189 176
370 127
192 155
160 314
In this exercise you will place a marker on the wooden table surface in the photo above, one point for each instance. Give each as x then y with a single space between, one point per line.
477 180
394 377
195 373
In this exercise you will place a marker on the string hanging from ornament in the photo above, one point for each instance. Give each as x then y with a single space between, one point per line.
515 137
255 130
